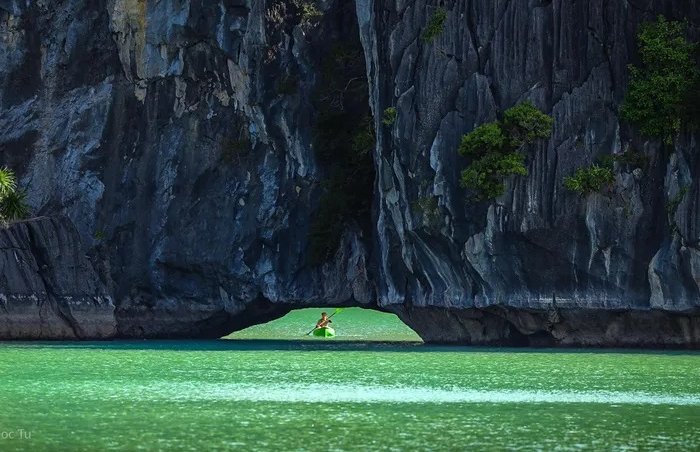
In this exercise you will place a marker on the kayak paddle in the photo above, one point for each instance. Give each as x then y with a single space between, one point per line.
334 313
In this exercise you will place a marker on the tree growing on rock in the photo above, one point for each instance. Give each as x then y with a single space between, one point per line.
496 149
589 180
436 25
661 99
13 202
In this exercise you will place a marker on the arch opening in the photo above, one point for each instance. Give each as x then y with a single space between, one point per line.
350 324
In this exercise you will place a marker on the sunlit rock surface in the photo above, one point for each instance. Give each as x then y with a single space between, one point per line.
126 118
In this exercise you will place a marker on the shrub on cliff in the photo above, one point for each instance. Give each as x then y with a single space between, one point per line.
496 149
390 115
525 124
436 25
660 98
14 206
629 158
8 184
13 202
589 180
309 11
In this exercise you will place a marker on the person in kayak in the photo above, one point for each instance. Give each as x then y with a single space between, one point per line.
324 321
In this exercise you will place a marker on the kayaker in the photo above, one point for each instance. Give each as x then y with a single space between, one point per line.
325 320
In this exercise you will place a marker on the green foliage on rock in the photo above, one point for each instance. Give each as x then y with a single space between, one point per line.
589 180
13 206
627 158
364 138
660 97
485 139
672 204
436 25
309 11
390 115
486 174
428 210
525 123
13 202
671 209
8 184
497 149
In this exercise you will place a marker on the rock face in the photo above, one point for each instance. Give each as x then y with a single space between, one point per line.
177 137
49 289
500 270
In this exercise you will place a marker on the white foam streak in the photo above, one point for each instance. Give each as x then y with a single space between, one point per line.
390 394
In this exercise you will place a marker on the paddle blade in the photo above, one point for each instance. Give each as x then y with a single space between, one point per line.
336 311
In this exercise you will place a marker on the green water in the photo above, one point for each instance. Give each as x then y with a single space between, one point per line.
335 395
351 324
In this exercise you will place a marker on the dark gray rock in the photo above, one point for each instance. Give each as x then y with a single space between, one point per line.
190 230
48 288
518 327
168 134
480 271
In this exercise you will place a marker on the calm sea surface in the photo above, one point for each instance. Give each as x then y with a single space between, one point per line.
343 394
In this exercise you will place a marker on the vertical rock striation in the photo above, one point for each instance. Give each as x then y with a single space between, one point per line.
539 265
48 288
174 139
161 130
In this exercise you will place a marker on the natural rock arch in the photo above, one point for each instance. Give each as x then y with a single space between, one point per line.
181 180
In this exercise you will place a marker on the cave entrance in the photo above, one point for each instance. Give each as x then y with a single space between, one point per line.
350 324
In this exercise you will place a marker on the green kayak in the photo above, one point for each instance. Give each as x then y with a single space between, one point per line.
324 332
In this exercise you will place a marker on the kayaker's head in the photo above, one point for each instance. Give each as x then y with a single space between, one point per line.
324 315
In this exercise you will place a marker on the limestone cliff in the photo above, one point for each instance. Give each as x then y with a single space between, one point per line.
48 287
177 137
540 261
